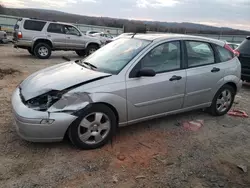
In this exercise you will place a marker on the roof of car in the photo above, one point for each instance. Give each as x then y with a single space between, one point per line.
50 21
159 37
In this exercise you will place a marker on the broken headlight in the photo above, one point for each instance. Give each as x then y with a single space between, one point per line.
44 101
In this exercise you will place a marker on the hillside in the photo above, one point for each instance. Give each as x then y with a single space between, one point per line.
129 25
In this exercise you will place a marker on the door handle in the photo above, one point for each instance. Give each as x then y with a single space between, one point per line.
175 78
68 37
49 35
215 69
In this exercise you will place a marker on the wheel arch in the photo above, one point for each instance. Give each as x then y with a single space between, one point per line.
93 43
46 41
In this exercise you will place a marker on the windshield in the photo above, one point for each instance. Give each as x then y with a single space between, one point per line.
113 57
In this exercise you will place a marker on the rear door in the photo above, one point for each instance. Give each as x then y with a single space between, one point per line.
203 73
56 33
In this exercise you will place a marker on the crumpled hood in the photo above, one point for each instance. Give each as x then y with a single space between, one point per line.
57 77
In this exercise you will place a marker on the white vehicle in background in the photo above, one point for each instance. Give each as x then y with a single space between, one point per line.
3 37
91 32
103 37
123 35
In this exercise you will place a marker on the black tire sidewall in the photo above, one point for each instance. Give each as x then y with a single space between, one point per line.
81 53
30 51
40 45
73 129
213 109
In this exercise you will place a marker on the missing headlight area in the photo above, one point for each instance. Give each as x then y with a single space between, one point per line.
59 101
43 102
71 102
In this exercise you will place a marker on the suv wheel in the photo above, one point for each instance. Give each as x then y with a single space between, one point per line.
81 53
42 51
30 51
223 101
94 128
91 49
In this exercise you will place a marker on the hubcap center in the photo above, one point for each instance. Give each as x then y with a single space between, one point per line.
95 127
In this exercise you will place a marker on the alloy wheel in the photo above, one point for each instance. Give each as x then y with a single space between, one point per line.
94 128
224 101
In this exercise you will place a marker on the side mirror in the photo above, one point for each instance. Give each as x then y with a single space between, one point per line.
146 72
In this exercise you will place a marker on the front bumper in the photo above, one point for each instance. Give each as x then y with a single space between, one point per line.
30 123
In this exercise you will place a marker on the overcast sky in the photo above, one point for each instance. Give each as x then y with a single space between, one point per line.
228 13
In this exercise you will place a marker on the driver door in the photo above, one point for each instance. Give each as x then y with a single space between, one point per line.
154 96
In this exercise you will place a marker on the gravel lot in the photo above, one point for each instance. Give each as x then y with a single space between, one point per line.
156 153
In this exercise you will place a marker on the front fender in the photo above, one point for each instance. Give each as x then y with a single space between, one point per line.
73 102
118 102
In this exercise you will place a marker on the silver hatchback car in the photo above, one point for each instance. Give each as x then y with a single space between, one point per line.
130 80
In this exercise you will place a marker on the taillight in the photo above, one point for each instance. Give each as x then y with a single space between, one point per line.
226 46
237 53
19 35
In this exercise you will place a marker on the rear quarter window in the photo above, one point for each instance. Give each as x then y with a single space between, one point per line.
244 47
224 54
33 25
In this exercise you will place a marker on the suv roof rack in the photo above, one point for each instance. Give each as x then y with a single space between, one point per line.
42 19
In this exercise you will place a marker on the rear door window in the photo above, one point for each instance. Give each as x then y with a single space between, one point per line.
199 53
244 47
34 25
56 28
224 54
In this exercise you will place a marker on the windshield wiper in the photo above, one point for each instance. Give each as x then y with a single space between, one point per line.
90 65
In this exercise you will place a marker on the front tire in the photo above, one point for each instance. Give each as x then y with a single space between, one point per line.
42 51
223 101
81 53
93 128
91 49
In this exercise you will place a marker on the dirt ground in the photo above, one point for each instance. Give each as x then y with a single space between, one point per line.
158 153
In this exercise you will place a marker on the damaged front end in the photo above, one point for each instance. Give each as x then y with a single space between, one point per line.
44 101
59 101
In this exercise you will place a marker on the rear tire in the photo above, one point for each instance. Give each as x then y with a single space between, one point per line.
31 51
93 128
42 51
223 101
91 49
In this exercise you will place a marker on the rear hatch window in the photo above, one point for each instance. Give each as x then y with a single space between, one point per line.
34 25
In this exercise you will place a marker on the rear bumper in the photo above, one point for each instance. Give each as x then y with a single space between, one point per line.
31 125
22 44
